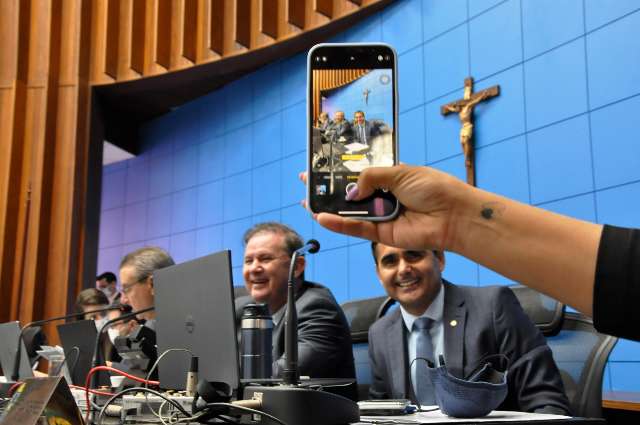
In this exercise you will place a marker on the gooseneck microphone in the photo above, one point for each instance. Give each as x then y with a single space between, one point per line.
15 373
312 246
290 373
293 402
96 348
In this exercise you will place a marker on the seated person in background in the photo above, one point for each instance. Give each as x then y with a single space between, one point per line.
91 299
465 325
122 328
107 283
339 130
323 121
324 339
136 279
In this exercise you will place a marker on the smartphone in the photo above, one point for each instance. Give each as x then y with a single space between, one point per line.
352 123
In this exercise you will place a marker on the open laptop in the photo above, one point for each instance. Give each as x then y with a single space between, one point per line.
9 334
81 334
195 310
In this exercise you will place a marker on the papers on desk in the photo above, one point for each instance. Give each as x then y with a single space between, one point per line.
356 147
437 417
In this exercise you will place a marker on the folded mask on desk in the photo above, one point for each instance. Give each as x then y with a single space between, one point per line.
476 396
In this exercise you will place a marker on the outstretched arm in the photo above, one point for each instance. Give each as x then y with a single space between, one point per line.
548 252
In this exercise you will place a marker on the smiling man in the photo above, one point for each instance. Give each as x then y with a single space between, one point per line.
324 340
466 325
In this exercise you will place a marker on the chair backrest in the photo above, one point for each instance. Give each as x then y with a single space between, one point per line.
545 312
360 315
580 352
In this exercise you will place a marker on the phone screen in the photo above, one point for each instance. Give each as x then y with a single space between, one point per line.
352 121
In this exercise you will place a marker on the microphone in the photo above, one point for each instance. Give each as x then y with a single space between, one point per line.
290 372
326 408
96 348
312 246
15 373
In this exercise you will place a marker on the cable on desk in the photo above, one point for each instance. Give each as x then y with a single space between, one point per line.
140 389
155 365
109 369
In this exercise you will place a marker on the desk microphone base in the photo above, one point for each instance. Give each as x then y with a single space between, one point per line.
297 405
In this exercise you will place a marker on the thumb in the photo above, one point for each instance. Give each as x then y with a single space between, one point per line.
374 178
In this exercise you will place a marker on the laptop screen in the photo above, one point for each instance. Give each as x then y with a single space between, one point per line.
195 310
9 334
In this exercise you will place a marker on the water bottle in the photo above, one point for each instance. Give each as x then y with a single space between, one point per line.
256 328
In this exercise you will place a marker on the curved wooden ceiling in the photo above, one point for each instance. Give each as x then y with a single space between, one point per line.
162 53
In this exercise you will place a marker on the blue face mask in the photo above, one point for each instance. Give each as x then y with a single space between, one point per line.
476 396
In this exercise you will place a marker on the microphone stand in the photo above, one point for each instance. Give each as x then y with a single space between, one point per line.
290 373
15 373
291 402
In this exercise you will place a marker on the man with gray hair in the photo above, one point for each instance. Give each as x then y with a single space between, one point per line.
136 277
324 339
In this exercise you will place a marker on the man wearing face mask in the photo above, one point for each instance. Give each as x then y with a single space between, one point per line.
465 325
122 328
107 283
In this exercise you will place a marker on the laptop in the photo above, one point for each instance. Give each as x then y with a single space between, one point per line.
81 334
195 310
9 334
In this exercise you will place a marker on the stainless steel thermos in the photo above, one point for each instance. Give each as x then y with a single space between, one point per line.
256 327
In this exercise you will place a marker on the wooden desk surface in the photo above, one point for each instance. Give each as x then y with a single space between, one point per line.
621 400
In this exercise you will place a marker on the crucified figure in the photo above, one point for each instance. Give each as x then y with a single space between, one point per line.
464 109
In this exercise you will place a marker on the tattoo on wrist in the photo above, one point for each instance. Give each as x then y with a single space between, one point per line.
491 210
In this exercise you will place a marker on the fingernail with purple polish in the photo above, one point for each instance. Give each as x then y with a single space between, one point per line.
352 193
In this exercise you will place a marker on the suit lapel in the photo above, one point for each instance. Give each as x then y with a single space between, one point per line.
396 353
454 320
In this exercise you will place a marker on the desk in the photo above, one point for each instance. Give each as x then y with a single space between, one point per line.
621 400
621 407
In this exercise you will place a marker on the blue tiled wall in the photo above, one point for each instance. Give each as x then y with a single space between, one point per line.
561 135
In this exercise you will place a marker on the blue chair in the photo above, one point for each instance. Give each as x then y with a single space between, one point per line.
580 351
360 315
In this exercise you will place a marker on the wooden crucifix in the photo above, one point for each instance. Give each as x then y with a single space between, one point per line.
464 108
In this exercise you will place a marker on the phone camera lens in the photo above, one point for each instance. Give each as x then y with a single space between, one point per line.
324 59
352 58
380 58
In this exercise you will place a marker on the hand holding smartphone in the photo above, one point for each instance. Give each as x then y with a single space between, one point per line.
352 124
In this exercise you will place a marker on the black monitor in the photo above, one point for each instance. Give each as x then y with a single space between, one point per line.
195 310
9 335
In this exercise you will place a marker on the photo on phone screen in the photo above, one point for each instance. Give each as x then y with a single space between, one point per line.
352 118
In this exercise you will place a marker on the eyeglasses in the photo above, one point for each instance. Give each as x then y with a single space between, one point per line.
126 288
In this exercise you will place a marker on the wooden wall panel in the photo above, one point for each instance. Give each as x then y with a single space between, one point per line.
297 13
243 23
269 18
55 56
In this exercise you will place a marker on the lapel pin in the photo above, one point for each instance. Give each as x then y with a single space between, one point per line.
453 322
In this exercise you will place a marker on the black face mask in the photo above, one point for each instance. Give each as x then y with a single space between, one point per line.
475 396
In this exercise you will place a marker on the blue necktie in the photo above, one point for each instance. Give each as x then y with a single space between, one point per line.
424 350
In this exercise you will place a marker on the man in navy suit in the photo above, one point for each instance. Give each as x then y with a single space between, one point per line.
468 325
364 131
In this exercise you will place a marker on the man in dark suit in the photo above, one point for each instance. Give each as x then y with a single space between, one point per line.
467 325
324 339
363 130
339 130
